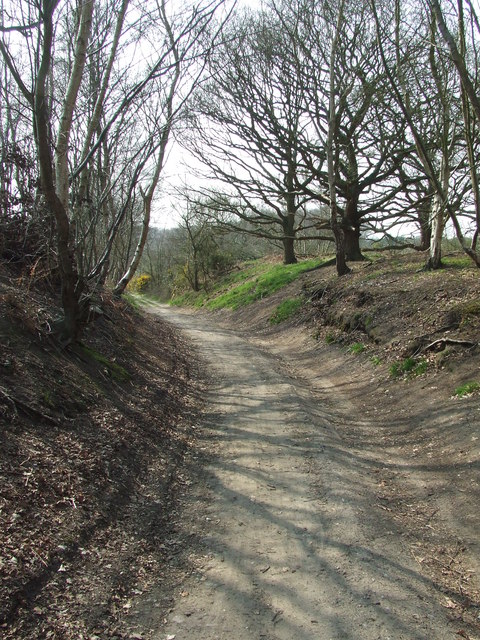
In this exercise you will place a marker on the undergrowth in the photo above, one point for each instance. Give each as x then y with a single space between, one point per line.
410 366
286 310
466 389
253 283
118 373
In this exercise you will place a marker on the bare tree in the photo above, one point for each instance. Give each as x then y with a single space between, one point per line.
342 267
74 135
55 183
188 44
438 181
250 118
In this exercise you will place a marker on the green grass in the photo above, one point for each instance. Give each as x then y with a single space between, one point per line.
258 280
466 389
457 262
409 366
263 285
285 310
420 368
249 270
134 300
357 347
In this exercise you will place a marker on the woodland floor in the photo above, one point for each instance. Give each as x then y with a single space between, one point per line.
103 463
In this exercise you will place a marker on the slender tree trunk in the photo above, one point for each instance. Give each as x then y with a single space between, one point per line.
342 267
65 128
164 138
147 208
468 129
288 221
56 192
457 58
436 225
94 123
148 196
130 272
423 152
196 269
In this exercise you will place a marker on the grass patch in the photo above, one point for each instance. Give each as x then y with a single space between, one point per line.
118 373
375 361
330 338
471 308
357 347
408 366
189 299
133 300
261 285
457 262
285 310
420 368
466 389
248 271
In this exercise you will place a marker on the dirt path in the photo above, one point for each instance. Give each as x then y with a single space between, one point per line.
293 546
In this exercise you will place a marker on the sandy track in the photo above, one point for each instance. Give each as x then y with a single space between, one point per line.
294 546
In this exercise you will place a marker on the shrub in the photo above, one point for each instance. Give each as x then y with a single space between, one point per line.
395 370
466 389
409 365
140 284
357 347
420 368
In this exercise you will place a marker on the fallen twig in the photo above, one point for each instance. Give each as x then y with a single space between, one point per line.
445 341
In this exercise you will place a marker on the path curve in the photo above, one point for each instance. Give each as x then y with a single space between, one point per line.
294 548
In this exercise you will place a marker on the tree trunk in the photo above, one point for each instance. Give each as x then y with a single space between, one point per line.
288 221
351 230
435 251
469 127
71 287
342 268
457 58
130 272
421 147
66 118
352 244
289 256
196 279
162 146
424 218
99 103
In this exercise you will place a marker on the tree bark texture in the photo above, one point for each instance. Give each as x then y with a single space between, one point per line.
71 287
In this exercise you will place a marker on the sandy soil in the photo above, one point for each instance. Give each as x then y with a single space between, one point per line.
320 515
